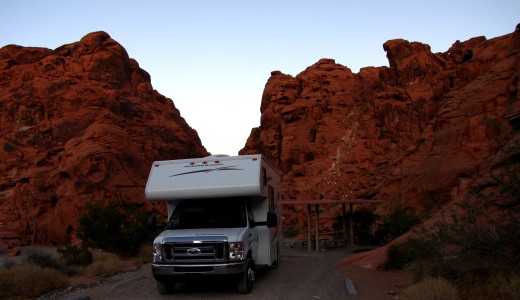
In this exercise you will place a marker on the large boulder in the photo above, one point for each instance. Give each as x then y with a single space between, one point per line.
78 124
420 132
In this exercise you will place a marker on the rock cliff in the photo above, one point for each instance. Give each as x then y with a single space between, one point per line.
420 131
78 124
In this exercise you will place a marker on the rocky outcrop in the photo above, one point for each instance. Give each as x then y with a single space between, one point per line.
420 131
78 124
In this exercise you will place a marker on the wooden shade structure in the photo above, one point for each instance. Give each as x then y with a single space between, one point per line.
317 204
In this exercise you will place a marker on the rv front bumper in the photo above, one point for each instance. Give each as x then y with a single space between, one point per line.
162 270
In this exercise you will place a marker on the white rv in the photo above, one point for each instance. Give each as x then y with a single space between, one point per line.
223 218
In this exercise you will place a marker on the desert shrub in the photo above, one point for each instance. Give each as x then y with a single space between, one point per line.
30 281
43 259
76 255
145 254
9 263
291 230
472 232
430 288
398 220
479 240
402 254
114 229
421 269
495 285
104 264
483 232
364 220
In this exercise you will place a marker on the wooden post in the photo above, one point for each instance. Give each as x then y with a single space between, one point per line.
351 226
317 227
309 213
344 223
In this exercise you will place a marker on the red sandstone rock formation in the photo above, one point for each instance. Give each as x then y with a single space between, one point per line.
422 130
78 124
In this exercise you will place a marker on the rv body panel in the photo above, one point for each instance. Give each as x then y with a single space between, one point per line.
209 177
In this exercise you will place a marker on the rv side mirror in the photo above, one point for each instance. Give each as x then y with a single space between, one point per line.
152 221
272 219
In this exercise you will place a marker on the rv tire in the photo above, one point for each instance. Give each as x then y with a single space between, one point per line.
246 279
165 286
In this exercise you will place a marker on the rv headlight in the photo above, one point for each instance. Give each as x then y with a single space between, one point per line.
236 251
157 253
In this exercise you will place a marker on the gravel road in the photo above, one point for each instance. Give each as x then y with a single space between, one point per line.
300 275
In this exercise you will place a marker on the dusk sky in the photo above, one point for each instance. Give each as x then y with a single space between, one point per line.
213 58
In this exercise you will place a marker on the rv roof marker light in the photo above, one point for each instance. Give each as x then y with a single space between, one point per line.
192 163
204 162
157 166
217 161
254 158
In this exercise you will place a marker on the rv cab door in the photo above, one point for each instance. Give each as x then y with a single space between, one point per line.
251 237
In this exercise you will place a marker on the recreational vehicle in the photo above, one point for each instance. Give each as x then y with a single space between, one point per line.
223 219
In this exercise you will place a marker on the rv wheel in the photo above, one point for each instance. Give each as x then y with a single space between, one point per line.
165 286
245 282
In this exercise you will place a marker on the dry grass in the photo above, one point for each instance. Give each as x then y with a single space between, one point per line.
512 288
475 284
492 286
30 281
430 288
104 264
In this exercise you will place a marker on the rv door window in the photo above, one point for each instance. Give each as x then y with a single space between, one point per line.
250 216
209 213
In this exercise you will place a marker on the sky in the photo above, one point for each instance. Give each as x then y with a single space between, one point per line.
213 58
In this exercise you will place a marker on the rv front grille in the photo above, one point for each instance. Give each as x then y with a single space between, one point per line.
206 252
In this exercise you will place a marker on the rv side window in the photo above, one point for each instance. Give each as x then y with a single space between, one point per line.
264 177
270 196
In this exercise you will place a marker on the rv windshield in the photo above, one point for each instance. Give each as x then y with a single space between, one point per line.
209 213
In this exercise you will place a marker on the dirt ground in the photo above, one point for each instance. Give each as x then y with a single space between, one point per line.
301 275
